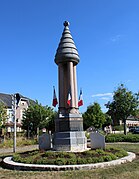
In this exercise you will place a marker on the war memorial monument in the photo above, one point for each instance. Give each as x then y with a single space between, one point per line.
69 134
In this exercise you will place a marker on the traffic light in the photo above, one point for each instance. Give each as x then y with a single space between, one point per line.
17 98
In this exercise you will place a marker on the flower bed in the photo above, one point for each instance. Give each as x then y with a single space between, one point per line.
69 158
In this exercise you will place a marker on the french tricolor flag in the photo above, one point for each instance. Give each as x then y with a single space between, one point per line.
69 99
55 102
80 102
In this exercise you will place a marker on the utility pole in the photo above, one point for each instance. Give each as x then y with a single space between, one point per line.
14 121
15 103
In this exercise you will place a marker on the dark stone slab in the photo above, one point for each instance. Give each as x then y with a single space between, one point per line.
69 124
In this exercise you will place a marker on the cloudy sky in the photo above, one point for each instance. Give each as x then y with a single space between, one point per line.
106 34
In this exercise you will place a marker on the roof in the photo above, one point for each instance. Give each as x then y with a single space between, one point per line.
11 124
66 51
133 118
7 99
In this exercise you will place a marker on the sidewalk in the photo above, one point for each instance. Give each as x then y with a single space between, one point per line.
18 149
33 147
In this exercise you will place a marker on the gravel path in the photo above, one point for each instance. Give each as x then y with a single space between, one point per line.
18 149
33 147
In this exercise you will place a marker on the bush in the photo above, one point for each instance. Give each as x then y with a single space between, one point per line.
8 143
60 161
108 158
23 141
122 138
97 159
17 158
71 161
121 153
87 134
81 160
100 151
119 128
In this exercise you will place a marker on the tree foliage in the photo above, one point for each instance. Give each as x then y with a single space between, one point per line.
108 120
3 115
124 104
38 116
94 116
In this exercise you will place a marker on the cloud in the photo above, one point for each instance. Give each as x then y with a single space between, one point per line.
103 95
115 38
128 81
105 98
104 109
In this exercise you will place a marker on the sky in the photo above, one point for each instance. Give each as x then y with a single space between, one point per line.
105 32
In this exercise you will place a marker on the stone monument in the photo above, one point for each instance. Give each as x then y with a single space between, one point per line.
44 141
69 134
97 140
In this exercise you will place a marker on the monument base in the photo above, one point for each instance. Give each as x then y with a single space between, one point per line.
73 141
69 122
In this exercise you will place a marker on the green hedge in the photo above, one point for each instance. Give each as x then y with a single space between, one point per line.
119 128
122 138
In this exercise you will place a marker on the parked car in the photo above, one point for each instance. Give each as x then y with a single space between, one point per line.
131 129
136 130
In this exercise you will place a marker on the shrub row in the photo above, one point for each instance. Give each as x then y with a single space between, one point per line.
119 127
70 158
122 138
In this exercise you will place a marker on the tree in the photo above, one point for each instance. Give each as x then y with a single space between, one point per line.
108 120
38 116
3 115
93 116
124 104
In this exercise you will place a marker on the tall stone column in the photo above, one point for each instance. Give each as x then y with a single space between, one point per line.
75 87
61 87
69 134
71 84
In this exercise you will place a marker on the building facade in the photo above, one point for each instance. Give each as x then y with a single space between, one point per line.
23 104
132 121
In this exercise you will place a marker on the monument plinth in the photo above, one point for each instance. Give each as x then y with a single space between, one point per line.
69 134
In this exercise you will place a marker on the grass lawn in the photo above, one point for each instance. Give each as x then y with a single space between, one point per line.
124 171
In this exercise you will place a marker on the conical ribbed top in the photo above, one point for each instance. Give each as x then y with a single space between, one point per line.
66 51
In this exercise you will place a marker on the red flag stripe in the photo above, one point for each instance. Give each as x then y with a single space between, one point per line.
69 99
80 103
